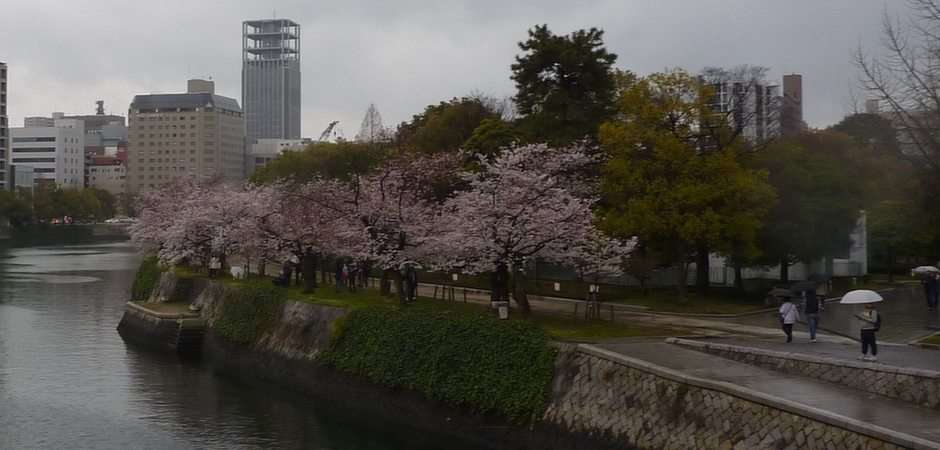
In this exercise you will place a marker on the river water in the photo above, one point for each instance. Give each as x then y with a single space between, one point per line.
67 380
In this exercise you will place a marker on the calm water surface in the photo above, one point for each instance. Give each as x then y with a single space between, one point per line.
67 380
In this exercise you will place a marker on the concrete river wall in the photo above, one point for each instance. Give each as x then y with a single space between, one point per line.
598 399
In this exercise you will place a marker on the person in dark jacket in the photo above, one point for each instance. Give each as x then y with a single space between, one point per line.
812 306
932 290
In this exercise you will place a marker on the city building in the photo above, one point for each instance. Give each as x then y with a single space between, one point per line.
22 178
55 153
196 134
4 126
105 134
264 151
271 78
107 173
751 107
791 113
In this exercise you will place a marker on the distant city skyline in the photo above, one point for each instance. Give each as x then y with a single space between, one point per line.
405 56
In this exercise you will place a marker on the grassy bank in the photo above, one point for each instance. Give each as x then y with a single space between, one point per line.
563 327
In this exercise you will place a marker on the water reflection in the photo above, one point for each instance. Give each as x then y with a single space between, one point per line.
67 380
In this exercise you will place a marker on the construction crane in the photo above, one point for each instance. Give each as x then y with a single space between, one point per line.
329 130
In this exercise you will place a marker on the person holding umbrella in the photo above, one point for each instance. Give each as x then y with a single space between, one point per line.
870 320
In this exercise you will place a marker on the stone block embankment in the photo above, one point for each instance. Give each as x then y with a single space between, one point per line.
912 385
598 392
180 333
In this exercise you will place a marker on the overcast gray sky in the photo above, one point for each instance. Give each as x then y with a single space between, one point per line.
405 54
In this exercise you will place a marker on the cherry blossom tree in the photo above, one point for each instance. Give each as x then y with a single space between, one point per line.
307 221
517 207
393 210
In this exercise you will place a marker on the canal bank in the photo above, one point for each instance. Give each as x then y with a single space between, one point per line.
593 399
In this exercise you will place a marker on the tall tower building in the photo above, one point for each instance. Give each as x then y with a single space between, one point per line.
271 79
791 115
4 127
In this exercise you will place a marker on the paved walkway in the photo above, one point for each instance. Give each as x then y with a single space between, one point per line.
893 414
891 354
904 311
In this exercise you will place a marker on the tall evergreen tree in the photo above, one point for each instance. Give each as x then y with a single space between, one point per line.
565 84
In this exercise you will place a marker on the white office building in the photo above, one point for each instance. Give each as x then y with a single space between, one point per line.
55 153
264 151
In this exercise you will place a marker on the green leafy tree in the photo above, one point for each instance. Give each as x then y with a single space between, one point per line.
566 86
445 127
341 160
898 231
819 198
15 208
493 135
662 185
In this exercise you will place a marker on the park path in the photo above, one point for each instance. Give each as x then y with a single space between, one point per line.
622 314
904 311
861 406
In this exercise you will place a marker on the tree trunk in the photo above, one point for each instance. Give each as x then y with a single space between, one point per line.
701 268
644 285
499 284
519 293
309 267
261 267
385 286
399 286
784 270
891 264
738 277
682 280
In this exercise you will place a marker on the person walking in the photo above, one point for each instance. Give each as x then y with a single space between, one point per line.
788 316
932 290
812 306
871 323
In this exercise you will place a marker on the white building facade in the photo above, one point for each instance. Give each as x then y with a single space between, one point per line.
264 151
55 153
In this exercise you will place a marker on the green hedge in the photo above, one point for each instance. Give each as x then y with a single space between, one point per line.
146 279
248 311
468 360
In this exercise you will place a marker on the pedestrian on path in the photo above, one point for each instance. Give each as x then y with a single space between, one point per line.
871 323
788 316
812 306
932 289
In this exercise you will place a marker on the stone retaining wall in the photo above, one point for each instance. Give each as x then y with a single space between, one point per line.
601 393
912 385
147 329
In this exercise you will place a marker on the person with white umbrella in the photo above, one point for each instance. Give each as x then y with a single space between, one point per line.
870 320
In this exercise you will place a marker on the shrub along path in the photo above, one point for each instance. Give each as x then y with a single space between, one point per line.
558 323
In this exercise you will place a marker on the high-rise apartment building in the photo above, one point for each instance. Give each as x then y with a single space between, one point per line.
271 78
56 153
194 135
750 106
4 127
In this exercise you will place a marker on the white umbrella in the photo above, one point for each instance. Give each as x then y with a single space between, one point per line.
923 270
860 296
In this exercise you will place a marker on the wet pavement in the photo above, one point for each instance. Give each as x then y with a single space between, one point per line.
904 313
898 355
871 408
